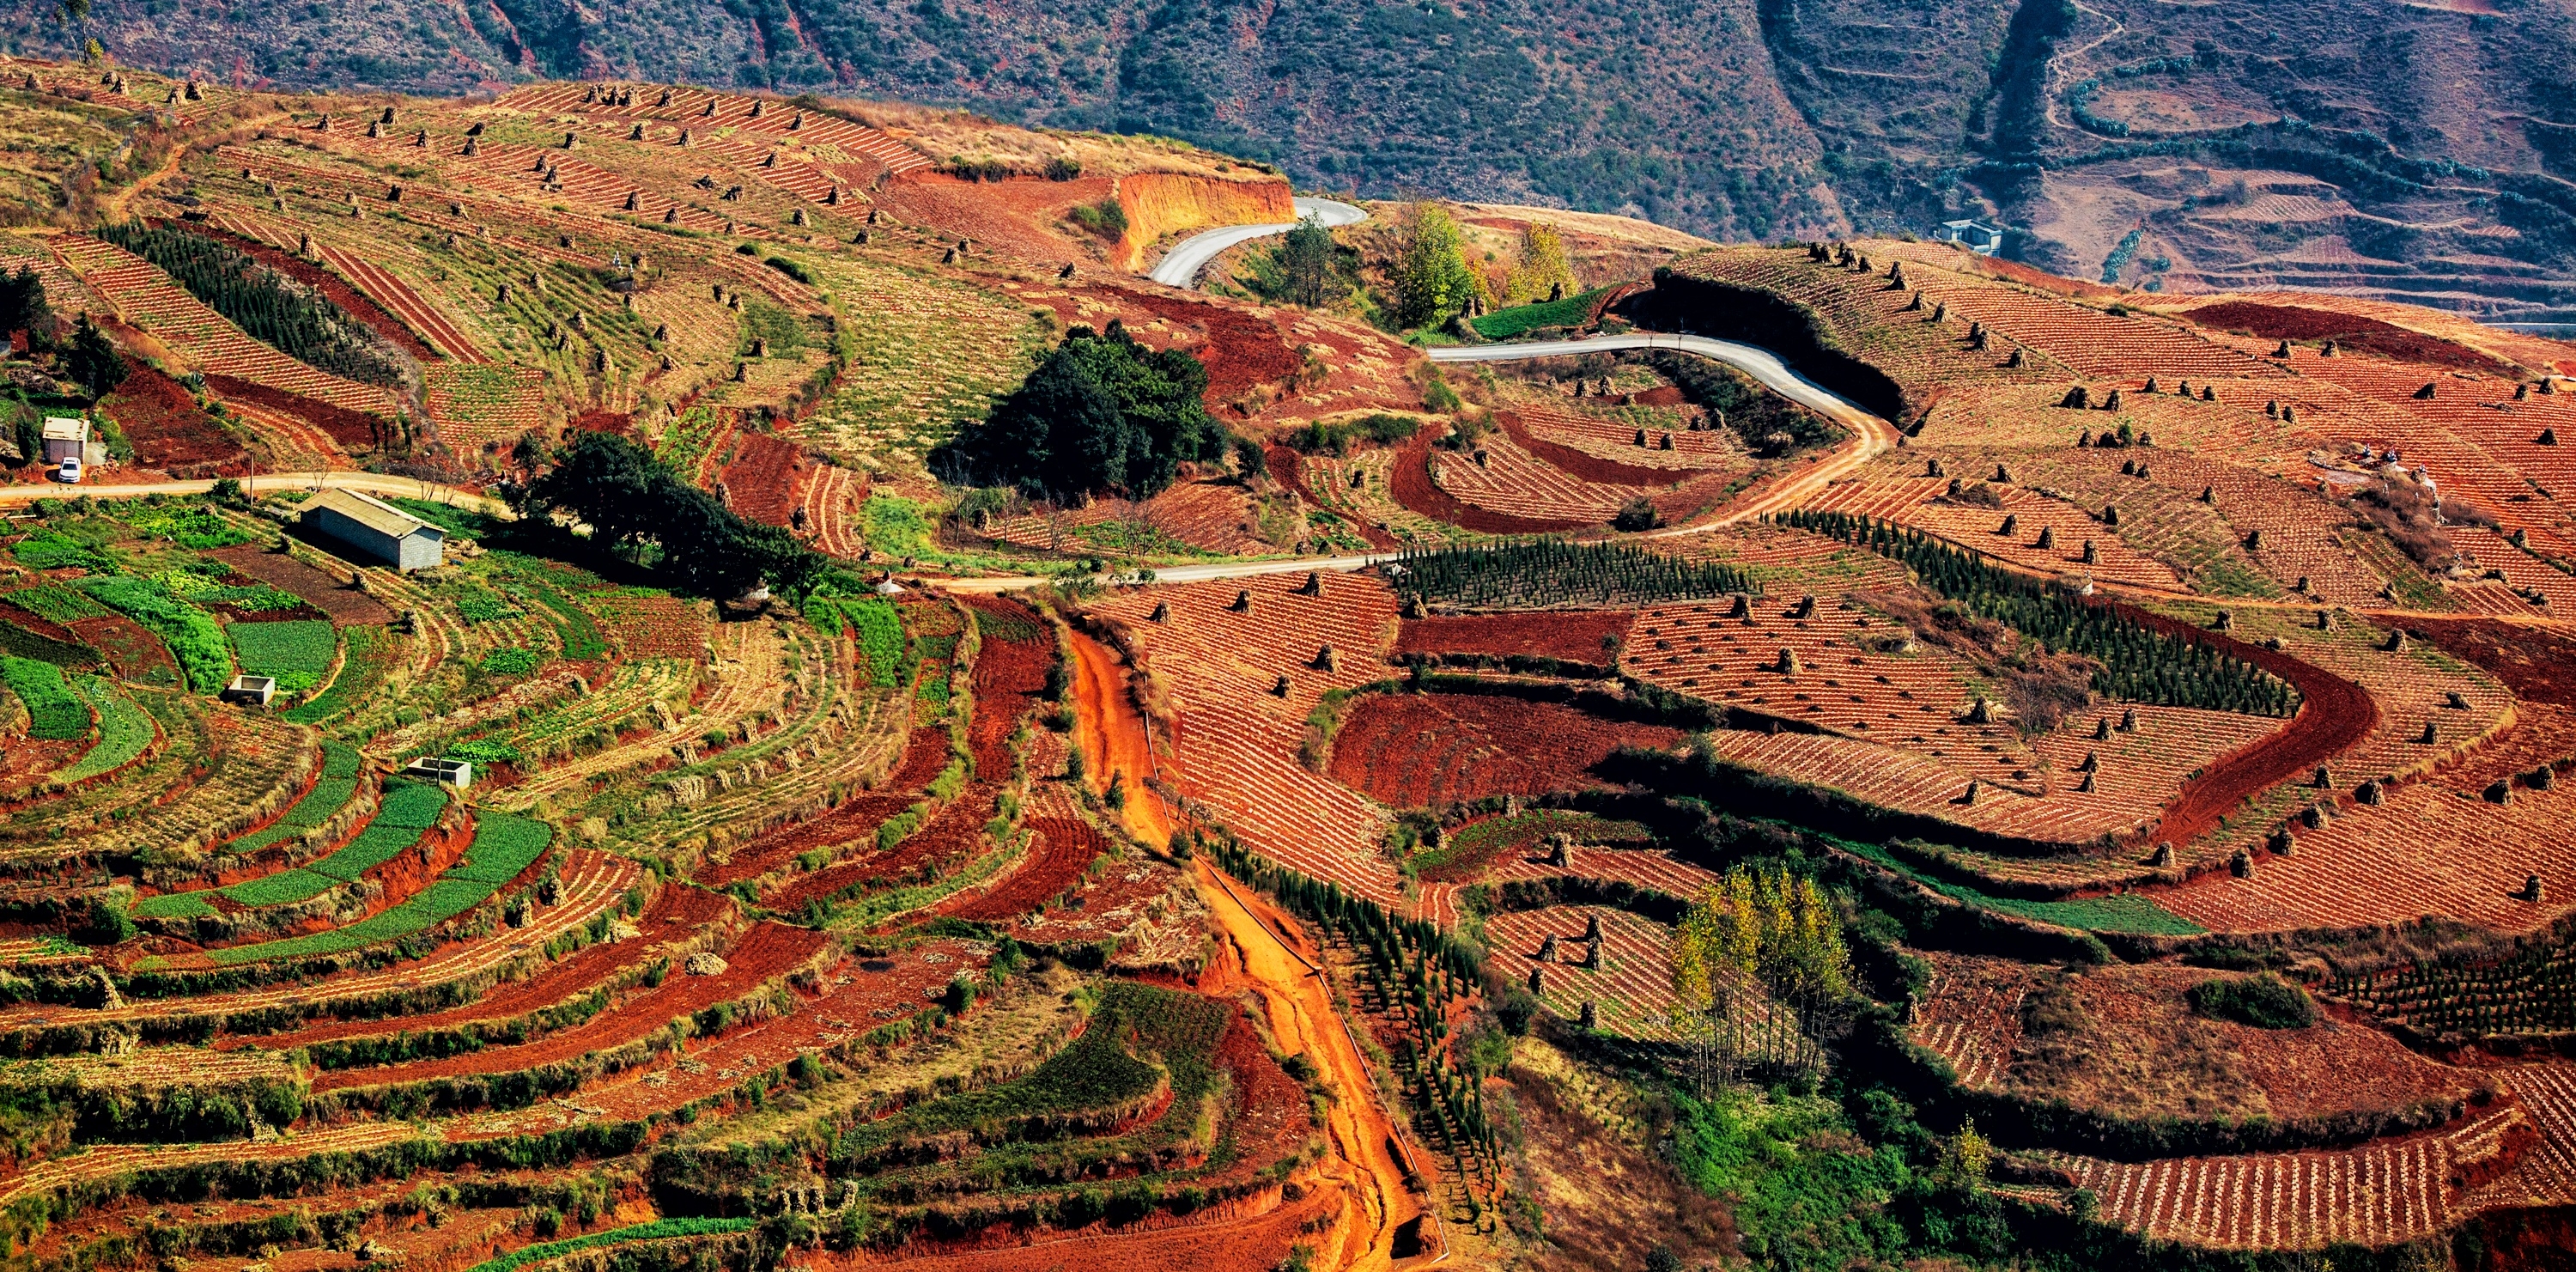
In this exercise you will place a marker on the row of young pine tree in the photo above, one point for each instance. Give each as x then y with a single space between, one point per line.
303 325
1544 572
2137 662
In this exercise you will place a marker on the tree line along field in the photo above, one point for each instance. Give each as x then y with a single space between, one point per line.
2148 637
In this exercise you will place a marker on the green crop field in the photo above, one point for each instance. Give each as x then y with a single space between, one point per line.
192 634
298 652
124 730
53 713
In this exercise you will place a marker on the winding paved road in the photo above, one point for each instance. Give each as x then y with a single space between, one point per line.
1870 435
1180 267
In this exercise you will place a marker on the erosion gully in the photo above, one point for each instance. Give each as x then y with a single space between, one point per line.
1261 951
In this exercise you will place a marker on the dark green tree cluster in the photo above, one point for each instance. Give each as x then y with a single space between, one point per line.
639 508
93 360
302 324
23 307
1538 573
1103 415
2139 663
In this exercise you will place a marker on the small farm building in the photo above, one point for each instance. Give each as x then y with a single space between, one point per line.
456 773
65 437
376 529
254 691
1971 235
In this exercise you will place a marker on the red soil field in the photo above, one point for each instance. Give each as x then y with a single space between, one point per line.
1063 850
950 836
1408 481
1241 350
331 285
167 429
677 912
2336 714
767 950
2352 331
351 430
136 653
1010 672
1416 750
851 820
597 421
1016 217
761 482
2537 663
346 607
1570 635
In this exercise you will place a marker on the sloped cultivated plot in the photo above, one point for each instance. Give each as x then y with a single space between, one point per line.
191 633
298 652
499 840
124 730
53 712
407 812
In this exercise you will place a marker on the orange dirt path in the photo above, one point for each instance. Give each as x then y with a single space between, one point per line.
1113 737
1258 955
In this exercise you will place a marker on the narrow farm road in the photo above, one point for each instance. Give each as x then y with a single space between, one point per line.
1257 955
1180 267
1115 739
371 483
1299 1006
1870 436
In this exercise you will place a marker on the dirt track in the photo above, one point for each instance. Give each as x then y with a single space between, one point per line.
1255 957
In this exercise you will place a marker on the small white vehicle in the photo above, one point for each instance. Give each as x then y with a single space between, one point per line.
71 471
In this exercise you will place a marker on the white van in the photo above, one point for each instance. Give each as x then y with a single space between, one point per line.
71 471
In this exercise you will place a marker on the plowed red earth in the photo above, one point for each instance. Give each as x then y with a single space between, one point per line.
761 482
38 623
1009 675
618 422
346 607
1016 217
2537 663
136 653
678 911
852 819
1423 750
1408 480
1063 850
1569 635
168 431
1241 350
767 950
2336 714
351 430
950 836
2290 322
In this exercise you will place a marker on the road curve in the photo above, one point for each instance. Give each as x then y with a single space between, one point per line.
1180 267
1871 435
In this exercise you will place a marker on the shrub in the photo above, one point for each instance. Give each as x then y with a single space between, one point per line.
511 662
2262 1000
1105 218
1335 438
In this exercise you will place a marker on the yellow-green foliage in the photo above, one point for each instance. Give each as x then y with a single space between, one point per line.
1765 923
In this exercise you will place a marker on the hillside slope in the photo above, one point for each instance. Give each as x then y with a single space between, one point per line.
2400 150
